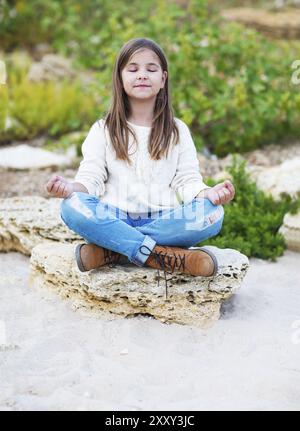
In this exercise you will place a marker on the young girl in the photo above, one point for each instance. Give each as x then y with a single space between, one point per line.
138 194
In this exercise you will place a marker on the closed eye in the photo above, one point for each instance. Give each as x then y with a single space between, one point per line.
148 71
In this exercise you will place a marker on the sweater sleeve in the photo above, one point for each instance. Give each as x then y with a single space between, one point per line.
187 181
92 171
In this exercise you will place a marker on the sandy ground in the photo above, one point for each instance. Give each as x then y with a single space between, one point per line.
55 358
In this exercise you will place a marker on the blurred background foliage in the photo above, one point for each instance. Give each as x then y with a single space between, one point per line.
229 83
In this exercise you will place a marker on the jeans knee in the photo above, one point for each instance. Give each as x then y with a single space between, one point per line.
65 204
215 219
219 218
75 206
216 216
65 209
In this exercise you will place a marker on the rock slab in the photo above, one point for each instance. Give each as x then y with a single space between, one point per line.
26 221
128 290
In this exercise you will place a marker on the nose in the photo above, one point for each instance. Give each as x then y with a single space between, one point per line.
142 75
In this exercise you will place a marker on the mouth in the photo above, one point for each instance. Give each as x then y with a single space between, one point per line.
142 86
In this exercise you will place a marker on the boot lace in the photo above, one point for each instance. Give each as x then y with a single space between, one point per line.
111 258
170 262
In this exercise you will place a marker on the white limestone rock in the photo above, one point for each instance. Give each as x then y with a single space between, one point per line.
126 290
283 178
24 156
290 229
26 221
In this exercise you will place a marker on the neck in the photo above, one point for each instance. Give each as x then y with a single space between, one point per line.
141 112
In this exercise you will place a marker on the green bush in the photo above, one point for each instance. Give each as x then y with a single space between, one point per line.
230 84
51 108
252 219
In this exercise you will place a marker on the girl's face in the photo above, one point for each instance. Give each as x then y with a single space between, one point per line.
143 76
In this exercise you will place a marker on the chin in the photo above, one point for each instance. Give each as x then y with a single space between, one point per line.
142 96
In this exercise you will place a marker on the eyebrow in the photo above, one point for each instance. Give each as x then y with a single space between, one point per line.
148 64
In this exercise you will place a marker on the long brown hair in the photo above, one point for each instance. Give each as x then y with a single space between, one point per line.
164 127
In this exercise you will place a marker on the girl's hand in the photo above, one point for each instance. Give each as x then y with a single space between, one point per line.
220 194
59 187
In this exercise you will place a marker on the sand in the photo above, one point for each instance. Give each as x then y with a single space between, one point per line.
53 357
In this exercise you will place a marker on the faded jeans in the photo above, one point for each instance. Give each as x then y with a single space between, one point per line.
112 228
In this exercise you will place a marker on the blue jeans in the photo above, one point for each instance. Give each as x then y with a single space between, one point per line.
117 230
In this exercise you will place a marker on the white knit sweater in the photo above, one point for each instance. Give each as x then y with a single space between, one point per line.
147 185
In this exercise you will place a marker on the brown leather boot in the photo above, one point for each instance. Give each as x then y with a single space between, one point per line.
197 262
92 256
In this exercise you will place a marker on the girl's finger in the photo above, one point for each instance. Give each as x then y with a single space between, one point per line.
51 183
213 196
63 192
50 187
230 187
60 189
222 197
219 186
56 186
54 178
228 194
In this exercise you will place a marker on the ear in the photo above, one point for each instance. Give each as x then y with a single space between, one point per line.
164 77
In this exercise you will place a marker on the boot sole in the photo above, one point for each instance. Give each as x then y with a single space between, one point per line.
216 265
78 258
